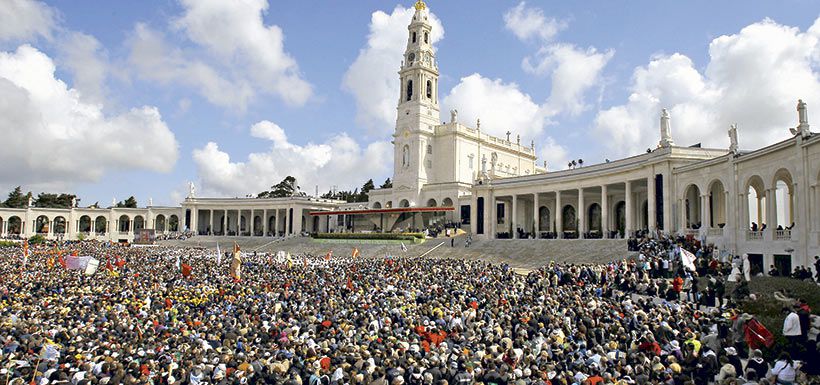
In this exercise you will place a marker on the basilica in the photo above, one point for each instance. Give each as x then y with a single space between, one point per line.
762 202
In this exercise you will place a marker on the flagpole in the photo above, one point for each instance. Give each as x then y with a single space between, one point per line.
34 373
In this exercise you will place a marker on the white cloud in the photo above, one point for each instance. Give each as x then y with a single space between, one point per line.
229 68
554 154
244 41
155 60
85 58
339 161
753 78
372 78
52 138
527 23
500 106
572 70
25 20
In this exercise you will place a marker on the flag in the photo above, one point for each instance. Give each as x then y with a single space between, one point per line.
289 262
91 267
51 263
355 252
178 263
186 270
403 247
118 261
688 259
50 351
349 283
62 261
236 263
328 255
108 265
218 255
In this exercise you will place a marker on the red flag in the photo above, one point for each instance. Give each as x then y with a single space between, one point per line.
328 255
118 261
108 264
61 260
186 270
349 283
355 252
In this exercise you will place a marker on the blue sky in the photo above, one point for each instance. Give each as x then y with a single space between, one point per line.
224 100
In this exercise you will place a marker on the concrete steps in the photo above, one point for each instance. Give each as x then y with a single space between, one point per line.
532 253
523 254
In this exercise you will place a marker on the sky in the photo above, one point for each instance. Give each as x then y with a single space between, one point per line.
111 99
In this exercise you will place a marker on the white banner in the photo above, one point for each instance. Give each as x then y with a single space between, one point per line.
92 266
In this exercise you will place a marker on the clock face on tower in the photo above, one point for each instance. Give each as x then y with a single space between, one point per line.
406 133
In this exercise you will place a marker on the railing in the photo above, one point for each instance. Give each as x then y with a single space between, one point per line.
754 235
783 235
124 232
718 232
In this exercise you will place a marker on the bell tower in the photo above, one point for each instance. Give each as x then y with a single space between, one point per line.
418 106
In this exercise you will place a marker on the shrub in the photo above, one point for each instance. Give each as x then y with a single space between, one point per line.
767 309
37 240
9 244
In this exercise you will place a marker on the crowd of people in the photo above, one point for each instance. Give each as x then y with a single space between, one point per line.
320 320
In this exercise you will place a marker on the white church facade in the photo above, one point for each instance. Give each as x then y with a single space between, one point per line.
764 202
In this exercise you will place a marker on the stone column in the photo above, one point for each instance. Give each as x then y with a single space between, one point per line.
604 211
493 215
238 222
580 214
265 222
473 213
771 212
225 223
297 220
536 217
668 224
651 215
559 216
210 221
514 216
276 223
253 222
195 220
628 210
287 217
813 207
705 214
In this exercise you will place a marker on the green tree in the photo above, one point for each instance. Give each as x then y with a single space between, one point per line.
16 199
54 200
387 184
131 202
286 188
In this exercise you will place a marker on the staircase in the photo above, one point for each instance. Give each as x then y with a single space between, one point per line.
525 254
532 254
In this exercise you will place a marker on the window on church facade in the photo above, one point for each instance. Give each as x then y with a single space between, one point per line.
430 149
414 37
470 161
425 38
429 89
409 90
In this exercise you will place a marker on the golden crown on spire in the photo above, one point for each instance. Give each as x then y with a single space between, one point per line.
420 5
